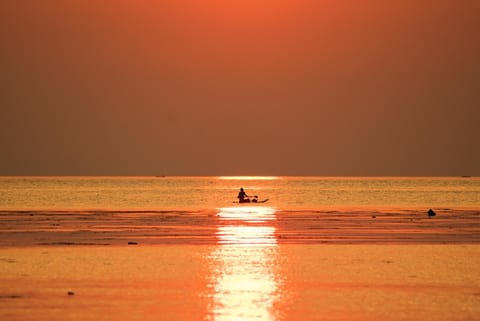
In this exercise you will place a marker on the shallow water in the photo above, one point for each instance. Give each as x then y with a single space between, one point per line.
239 225
229 282
197 193
179 249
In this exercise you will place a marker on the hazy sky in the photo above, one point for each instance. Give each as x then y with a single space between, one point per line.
239 87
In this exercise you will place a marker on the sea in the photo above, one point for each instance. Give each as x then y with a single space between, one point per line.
207 193
181 248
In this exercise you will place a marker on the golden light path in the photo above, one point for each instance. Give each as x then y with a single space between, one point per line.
249 177
245 284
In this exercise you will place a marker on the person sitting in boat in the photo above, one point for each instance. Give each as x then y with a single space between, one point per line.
242 196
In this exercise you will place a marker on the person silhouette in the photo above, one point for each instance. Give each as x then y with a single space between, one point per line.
242 196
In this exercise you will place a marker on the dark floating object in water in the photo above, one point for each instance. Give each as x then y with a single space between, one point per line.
431 212
11 296
374 216
71 293
132 243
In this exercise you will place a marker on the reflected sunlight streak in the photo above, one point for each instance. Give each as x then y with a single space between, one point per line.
246 235
247 214
249 177
245 284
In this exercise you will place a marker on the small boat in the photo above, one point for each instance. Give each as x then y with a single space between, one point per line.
253 200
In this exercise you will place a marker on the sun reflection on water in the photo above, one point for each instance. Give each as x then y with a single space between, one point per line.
245 284
247 178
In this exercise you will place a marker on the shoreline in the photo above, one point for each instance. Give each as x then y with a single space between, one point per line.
253 263
360 226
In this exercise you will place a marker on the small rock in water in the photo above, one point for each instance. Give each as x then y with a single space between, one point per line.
132 243
431 212
71 293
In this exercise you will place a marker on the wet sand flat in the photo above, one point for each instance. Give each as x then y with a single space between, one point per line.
249 263
293 282
383 282
114 283
345 226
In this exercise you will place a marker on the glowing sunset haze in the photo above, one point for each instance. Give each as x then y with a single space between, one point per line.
239 87
225 160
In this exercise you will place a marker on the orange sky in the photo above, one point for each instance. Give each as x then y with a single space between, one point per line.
264 87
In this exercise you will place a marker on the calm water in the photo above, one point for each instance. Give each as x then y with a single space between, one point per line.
258 263
287 193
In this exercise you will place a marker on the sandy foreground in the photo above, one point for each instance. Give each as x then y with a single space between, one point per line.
285 282
240 265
